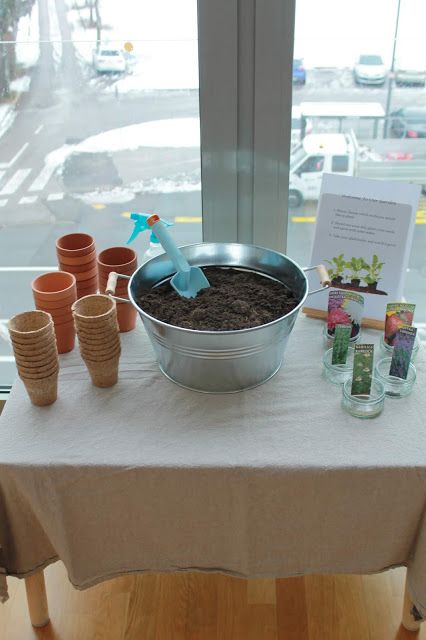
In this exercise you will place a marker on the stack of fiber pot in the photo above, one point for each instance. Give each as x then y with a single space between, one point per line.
122 260
77 255
55 292
34 346
95 320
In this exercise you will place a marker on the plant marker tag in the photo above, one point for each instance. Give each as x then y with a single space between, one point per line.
398 315
342 334
344 307
363 370
402 349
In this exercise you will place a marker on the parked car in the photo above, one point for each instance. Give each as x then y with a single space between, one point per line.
410 72
409 122
370 70
299 71
109 60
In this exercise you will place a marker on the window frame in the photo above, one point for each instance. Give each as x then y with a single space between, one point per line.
245 67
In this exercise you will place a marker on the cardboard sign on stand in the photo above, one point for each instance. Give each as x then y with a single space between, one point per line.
363 235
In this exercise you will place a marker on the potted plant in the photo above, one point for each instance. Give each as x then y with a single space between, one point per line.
373 271
337 264
355 265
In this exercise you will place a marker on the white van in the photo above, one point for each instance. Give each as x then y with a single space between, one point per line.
318 154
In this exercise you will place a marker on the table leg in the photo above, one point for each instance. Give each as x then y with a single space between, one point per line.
411 619
37 599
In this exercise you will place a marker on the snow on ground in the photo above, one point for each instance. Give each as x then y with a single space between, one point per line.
177 133
20 85
27 47
179 184
163 35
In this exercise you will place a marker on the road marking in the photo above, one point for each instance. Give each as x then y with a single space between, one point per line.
55 196
7 359
37 131
421 221
7 165
125 214
43 178
98 205
303 218
187 219
3 203
15 182
35 269
28 200
2 174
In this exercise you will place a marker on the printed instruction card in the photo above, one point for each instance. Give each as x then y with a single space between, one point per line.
363 235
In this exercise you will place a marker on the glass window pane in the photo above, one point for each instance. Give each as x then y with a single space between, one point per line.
99 117
349 89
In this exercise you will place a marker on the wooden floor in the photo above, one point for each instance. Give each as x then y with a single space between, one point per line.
210 606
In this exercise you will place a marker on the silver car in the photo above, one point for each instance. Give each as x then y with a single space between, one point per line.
370 70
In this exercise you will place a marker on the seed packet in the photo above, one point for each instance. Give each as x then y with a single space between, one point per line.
398 314
342 334
402 349
363 370
344 307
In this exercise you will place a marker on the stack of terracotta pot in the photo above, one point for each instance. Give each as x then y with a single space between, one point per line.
122 260
55 292
97 329
77 255
34 346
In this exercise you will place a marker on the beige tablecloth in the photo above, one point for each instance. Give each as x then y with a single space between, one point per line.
275 481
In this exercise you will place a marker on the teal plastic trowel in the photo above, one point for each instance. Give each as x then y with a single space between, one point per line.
187 281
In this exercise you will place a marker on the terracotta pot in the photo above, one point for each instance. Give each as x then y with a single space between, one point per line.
78 268
120 259
67 319
75 245
54 305
86 275
54 285
87 288
76 261
59 314
126 316
65 337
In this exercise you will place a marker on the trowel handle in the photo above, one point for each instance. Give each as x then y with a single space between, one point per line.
169 245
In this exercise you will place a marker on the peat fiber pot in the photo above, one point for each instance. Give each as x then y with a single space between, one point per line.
221 361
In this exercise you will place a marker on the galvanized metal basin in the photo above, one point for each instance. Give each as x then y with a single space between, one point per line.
221 361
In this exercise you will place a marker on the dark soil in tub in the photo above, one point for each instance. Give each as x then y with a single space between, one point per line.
236 299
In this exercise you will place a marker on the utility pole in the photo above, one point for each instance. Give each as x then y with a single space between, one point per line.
391 75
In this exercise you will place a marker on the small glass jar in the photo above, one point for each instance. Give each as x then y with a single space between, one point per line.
364 406
328 340
387 349
338 373
395 387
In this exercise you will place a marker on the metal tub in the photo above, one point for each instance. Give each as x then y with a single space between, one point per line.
221 361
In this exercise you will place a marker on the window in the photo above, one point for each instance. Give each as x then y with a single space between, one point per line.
313 164
94 123
351 74
340 164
